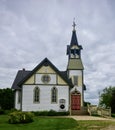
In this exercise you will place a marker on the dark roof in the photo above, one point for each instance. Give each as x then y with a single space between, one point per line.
20 75
74 39
64 73
46 62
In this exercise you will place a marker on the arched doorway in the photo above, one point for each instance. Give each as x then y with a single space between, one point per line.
75 100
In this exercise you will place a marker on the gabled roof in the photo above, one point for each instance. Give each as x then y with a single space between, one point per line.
46 62
20 75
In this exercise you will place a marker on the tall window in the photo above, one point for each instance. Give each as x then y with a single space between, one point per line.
54 95
36 95
19 96
75 80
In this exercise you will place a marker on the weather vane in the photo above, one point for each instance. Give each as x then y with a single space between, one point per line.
74 24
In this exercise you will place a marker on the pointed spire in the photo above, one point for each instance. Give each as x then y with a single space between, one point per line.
74 37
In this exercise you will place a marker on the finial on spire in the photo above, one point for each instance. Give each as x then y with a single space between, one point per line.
74 24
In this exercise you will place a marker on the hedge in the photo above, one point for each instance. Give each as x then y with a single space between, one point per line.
50 113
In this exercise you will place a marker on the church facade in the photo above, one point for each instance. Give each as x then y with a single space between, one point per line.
46 88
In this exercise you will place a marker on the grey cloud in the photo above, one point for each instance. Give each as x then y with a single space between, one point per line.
32 30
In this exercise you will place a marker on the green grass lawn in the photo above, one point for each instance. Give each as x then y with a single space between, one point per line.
52 123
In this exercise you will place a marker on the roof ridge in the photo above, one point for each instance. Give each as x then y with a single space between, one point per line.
45 62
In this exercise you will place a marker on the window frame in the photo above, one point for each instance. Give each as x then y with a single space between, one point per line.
54 95
36 95
75 80
19 97
45 78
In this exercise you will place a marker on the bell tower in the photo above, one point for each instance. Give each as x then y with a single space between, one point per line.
74 53
75 68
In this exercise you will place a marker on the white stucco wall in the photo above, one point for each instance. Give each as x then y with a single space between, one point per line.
45 98
75 72
80 82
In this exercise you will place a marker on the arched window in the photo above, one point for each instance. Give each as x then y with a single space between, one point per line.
54 95
36 95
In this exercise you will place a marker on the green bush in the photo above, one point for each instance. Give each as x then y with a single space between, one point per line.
20 117
40 113
86 103
113 115
2 112
50 113
6 112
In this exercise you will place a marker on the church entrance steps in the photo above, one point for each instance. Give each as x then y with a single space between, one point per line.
82 111
79 112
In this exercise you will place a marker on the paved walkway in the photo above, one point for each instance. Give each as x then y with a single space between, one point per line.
91 118
111 127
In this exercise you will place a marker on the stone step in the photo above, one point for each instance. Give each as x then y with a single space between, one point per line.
79 112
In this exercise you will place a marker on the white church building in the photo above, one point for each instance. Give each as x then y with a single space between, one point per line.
46 88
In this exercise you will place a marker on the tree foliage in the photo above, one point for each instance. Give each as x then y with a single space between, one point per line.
113 101
6 98
107 98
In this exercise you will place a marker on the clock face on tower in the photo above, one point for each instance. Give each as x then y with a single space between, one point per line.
45 78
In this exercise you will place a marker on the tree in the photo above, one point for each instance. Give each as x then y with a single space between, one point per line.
6 98
113 101
107 97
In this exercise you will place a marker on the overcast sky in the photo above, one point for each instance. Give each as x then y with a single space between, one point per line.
31 30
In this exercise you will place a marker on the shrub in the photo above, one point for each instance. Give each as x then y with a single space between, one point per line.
86 103
113 115
2 112
20 117
40 113
50 113
6 112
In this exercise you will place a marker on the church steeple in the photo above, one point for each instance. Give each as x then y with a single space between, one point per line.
75 67
74 37
74 52
74 49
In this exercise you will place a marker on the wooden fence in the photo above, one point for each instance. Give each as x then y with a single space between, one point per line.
94 110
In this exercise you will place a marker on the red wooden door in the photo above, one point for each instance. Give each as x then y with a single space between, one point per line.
75 102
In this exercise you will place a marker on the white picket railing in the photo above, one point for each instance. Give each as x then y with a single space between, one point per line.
94 110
